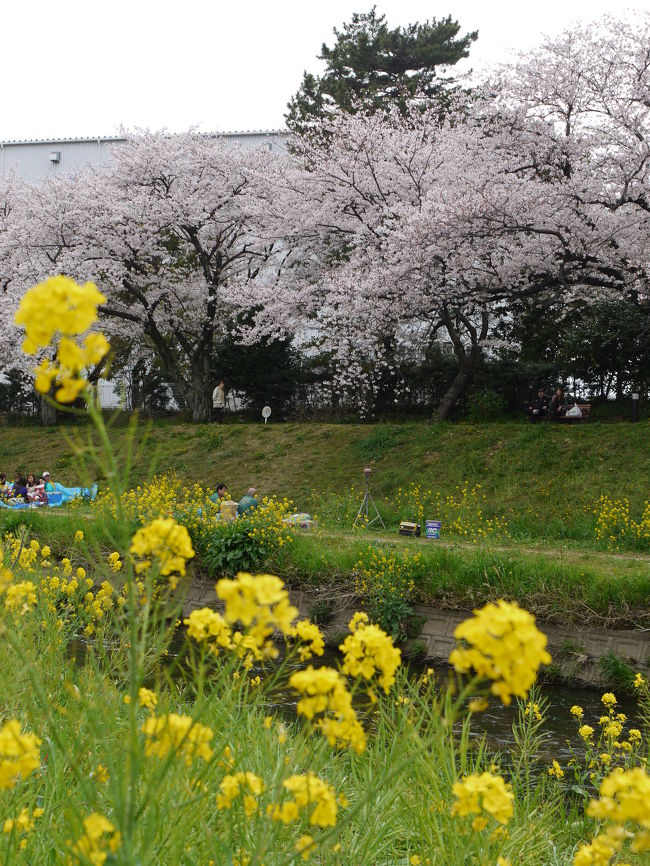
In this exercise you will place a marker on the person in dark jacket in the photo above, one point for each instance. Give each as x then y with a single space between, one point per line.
538 408
20 488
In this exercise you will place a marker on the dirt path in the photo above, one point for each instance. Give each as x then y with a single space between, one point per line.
557 551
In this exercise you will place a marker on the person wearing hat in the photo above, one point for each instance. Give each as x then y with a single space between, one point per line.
49 486
538 408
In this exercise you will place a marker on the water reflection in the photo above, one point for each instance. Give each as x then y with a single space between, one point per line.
560 727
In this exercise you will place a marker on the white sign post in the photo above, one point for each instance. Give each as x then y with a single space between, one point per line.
266 413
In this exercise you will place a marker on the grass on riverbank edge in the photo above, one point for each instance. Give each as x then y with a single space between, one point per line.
600 590
543 479
560 586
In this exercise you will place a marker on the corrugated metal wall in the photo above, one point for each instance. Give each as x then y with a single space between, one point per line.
32 159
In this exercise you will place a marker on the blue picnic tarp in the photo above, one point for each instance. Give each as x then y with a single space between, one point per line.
59 497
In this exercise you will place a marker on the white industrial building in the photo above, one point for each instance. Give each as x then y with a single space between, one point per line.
34 160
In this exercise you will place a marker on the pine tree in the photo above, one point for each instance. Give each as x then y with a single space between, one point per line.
370 65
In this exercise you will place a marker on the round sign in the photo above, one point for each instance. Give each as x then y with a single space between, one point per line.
266 412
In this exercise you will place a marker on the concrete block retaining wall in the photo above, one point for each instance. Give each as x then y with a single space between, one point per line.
576 651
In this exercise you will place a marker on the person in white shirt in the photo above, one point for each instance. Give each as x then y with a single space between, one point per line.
219 401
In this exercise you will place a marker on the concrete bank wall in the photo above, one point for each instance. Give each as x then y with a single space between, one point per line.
576 651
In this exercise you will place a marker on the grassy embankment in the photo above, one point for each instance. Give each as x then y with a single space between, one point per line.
542 481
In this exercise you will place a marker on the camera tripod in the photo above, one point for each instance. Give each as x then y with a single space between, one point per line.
365 507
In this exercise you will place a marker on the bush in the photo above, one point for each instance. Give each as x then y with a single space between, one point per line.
384 581
485 405
248 542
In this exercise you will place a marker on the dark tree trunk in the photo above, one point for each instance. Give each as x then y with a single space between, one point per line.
48 413
201 388
453 393
454 320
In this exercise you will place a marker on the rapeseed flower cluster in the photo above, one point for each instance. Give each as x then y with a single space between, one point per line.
369 652
261 605
23 823
483 794
461 512
147 698
259 535
19 754
503 644
533 710
209 626
380 573
308 638
324 693
615 526
234 785
180 734
20 597
166 542
98 839
115 562
58 587
269 525
609 748
624 808
61 308
307 790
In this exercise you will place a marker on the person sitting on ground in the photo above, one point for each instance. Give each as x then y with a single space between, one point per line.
32 483
558 405
5 487
20 488
220 493
49 484
37 493
247 502
538 407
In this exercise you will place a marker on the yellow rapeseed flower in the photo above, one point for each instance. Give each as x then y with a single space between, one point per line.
57 305
99 837
479 793
307 790
167 542
501 643
179 734
147 698
19 754
369 651
324 693
207 625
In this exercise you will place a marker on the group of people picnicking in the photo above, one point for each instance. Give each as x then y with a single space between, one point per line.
228 507
32 488
543 407
26 488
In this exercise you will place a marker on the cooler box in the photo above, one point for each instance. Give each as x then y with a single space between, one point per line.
407 527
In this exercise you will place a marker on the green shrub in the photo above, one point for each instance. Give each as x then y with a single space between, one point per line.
485 405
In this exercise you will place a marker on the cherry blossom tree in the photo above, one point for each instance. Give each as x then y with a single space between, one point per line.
172 232
412 225
387 230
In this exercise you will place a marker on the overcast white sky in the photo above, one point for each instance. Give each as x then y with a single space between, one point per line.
77 68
